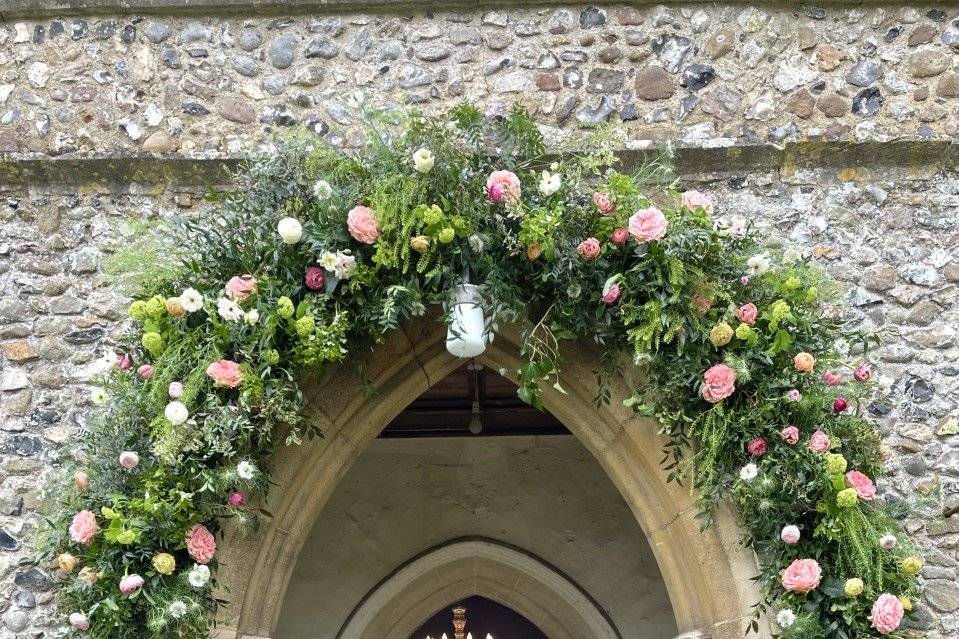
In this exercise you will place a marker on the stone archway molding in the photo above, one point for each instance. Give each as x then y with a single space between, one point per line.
708 575
461 568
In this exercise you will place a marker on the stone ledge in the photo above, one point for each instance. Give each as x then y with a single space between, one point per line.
918 159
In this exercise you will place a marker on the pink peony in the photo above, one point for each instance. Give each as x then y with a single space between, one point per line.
83 528
237 500
746 314
757 447
81 480
362 224
588 249
123 361
862 373
802 575
315 278
695 199
611 294
887 613
225 373
200 544
790 435
647 225
819 442
241 287
79 621
145 371
863 485
129 460
839 405
130 584
719 382
619 236
603 204
831 378
790 534
502 186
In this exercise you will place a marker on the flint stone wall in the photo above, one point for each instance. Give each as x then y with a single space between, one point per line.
834 127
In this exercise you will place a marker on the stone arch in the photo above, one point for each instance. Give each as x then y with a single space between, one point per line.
708 575
396 607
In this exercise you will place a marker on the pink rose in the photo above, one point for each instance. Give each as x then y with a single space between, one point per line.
619 236
603 203
130 584
695 199
790 534
757 447
863 485
790 435
794 395
81 480
123 361
362 224
719 382
862 373
588 249
804 362
887 613
79 621
225 373
647 225
237 500
315 278
831 378
819 442
802 575
145 371
129 460
83 528
200 544
746 314
241 287
502 186
611 294
839 405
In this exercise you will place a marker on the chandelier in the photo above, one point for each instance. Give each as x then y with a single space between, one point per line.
459 625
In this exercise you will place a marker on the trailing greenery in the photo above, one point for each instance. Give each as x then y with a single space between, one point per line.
318 254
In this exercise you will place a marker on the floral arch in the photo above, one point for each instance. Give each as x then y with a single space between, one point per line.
320 257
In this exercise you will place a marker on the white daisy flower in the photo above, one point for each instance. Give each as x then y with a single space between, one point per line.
748 472
246 470
191 300
177 609
785 618
758 264
327 260
322 190
98 395
549 183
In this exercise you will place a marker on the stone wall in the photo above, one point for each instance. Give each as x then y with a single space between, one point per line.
112 116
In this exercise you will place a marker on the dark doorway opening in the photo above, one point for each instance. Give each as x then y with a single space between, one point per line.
483 617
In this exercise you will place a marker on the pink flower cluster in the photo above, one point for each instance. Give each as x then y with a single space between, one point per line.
719 382
225 373
603 204
790 435
747 314
819 442
695 199
200 544
757 447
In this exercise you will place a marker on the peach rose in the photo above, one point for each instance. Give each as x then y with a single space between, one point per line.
241 287
200 544
863 485
225 373
647 225
746 314
362 224
819 442
804 362
83 528
603 204
695 199
802 575
887 613
502 186
588 248
719 382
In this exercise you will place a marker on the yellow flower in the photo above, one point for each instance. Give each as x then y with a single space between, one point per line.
420 244
854 587
174 307
721 334
88 575
164 563
906 602
67 562
911 566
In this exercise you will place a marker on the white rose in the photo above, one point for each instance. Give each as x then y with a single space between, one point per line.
290 230
176 413
322 190
758 264
229 310
191 300
98 395
245 470
199 576
252 316
423 160
748 472
785 618
549 183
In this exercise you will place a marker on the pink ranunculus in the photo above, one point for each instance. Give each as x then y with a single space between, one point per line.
747 314
362 224
790 435
819 442
863 485
83 528
502 186
603 204
79 621
129 460
862 373
123 361
802 575
719 382
315 278
794 395
611 294
619 235
588 249
237 500
647 225
145 371
744 280
694 199
241 287
839 405
200 544
757 447
887 613
225 373
130 584
790 534
81 480
831 378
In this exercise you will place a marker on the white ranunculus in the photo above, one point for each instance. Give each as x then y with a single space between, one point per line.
98 395
252 316
549 183
327 260
245 470
758 264
748 472
344 266
888 542
199 576
322 190
229 310
191 300
785 618
290 230
175 389
176 413
177 609
423 160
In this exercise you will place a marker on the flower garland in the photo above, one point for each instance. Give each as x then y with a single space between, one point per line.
320 253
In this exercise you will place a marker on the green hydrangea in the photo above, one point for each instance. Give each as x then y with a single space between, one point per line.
836 464
153 343
305 326
284 307
433 215
446 235
812 294
126 537
745 332
156 307
779 310
847 498
272 357
792 283
138 310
